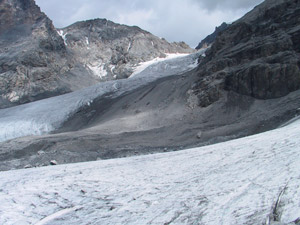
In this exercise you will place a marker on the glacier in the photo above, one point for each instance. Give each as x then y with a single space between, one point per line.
143 65
47 115
252 180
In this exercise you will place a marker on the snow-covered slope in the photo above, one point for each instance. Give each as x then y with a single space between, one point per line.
253 180
143 65
44 116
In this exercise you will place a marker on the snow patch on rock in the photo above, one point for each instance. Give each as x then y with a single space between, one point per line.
98 70
63 35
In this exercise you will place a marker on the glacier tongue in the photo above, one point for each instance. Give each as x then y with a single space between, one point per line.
47 115
253 180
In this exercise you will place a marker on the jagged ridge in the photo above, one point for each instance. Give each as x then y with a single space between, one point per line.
211 38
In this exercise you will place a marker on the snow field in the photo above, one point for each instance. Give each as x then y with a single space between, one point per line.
236 182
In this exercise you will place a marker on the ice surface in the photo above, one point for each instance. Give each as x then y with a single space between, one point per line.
143 65
44 116
236 182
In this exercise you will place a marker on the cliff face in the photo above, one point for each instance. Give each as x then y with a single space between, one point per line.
18 13
258 55
34 61
111 50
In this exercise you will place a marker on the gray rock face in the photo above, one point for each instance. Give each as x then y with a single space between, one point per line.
111 51
212 37
257 56
150 112
34 62
38 61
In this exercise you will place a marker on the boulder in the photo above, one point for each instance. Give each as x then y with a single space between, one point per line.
53 162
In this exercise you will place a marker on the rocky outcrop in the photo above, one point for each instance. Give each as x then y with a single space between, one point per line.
212 37
112 51
257 56
34 61
39 61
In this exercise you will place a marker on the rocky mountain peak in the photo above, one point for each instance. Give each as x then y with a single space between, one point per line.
211 38
18 12
22 21
34 61
112 51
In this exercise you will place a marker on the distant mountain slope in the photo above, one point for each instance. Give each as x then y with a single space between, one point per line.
258 55
112 50
211 38
39 61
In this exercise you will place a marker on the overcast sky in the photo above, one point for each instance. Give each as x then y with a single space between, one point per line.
175 20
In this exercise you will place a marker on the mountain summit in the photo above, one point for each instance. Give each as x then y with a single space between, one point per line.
112 51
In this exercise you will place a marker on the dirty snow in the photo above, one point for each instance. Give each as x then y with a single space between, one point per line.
244 181
98 70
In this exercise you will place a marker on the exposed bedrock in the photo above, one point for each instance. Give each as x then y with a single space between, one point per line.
258 55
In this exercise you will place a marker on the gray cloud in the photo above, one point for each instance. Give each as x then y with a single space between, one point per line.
227 4
175 20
